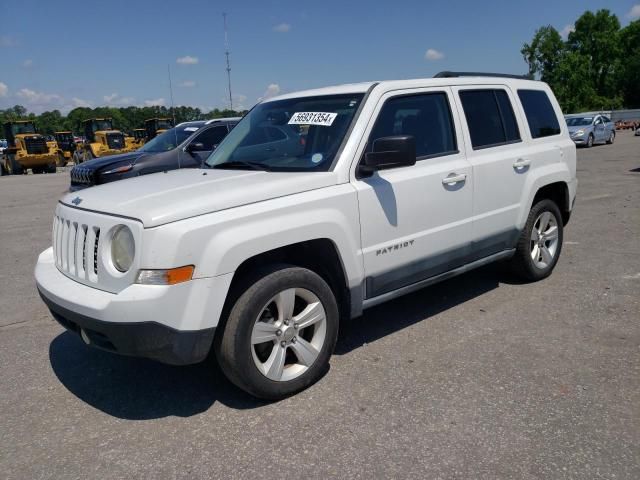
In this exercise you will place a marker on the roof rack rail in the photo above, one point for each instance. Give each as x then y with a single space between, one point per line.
448 74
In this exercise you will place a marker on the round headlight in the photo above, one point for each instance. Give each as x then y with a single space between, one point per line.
122 248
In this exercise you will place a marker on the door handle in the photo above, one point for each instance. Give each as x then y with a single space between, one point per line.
521 163
454 178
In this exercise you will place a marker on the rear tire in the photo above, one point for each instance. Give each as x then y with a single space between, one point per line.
280 332
540 242
612 138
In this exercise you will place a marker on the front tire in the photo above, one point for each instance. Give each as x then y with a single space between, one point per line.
540 242
12 166
590 141
280 333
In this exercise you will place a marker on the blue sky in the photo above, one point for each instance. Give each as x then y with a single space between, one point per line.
61 54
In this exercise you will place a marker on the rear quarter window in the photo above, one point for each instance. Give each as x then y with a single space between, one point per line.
540 114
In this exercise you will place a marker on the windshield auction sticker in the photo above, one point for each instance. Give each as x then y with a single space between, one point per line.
313 118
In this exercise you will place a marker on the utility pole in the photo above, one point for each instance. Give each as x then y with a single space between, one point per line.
226 53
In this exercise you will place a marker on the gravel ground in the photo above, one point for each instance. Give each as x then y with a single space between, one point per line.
477 377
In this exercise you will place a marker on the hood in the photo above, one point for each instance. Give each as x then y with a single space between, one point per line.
586 128
179 194
102 162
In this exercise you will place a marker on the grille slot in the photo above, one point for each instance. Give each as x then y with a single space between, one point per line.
75 245
95 252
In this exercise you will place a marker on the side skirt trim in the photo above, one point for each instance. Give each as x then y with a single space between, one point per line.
370 302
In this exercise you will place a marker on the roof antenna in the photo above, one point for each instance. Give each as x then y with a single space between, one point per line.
173 110
226 53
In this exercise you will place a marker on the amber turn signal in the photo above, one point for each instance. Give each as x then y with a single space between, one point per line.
165 277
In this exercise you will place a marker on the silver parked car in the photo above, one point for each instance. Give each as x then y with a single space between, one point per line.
589 129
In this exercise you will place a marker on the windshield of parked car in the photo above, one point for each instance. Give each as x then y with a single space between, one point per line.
297 134
168 140
21 128
579 121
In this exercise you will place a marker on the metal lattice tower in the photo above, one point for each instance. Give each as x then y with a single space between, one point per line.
226 53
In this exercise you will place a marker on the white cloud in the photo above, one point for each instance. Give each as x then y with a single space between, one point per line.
187 60
38 102
188 84
272 90
433 54
34 97
28 63
159 102
4 90
634 12
564 33
282 28
116 100
78 102
7 41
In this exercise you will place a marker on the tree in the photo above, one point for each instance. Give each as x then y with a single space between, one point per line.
597 67
596 39
544 53
629 81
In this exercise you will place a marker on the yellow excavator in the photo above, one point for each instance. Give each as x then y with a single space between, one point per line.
101 140
27 149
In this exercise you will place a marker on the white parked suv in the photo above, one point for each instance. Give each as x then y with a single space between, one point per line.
388 187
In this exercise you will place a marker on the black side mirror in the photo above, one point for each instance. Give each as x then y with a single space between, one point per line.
195 147
389 152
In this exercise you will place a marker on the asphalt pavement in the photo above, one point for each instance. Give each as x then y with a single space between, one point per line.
478 377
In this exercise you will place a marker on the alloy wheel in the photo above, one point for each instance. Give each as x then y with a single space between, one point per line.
289 334
544 240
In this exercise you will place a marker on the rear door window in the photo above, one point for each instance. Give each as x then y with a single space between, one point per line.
490 117
540 114
211 137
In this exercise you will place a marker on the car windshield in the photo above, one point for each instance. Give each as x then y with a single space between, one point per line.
168 140
21 128
297 134
579 121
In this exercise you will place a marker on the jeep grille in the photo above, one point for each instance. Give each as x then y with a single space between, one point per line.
75 247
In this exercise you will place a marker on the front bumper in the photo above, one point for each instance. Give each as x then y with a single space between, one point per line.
172 324
145 339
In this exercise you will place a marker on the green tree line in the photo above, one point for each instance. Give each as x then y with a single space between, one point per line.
124 118
596 67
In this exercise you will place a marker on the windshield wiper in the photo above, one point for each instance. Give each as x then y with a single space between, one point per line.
243 163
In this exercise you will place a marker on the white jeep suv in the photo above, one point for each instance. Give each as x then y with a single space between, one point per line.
318 205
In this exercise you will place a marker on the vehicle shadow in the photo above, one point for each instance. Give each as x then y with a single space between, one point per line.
405 311
139 389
